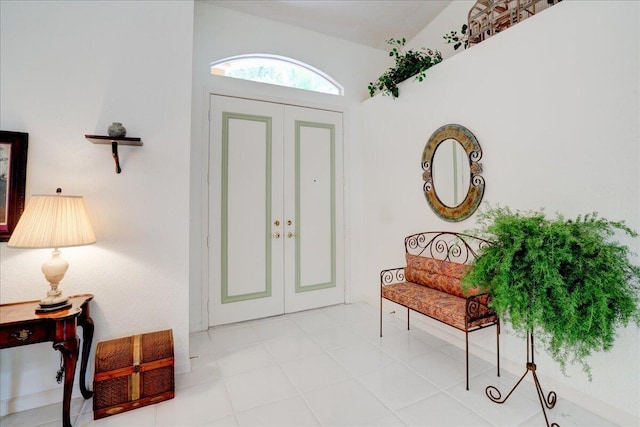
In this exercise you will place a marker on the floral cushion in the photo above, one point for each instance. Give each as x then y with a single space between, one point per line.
446 268
439 305
437 274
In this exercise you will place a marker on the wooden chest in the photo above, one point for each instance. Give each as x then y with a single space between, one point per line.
132 372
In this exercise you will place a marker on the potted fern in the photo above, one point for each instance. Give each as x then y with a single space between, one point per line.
568 282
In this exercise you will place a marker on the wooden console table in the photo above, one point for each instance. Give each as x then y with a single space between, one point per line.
20 325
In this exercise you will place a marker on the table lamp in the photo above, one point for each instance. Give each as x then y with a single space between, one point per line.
53 221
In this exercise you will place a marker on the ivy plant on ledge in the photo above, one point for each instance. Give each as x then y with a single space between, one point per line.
458 40
408 64
569 282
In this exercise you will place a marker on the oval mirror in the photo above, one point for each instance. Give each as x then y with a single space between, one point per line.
453 186
450 173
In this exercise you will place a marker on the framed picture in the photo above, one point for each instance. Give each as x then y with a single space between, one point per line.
13 179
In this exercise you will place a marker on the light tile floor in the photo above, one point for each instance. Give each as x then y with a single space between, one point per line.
327 367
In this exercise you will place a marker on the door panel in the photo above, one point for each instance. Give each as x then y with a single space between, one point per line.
314 210
246 148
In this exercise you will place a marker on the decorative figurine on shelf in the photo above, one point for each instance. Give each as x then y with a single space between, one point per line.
116 130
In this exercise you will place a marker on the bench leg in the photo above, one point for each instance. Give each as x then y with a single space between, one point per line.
466 341
408 311
498 345
381 316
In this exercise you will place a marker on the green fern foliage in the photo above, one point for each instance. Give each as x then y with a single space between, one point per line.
568 281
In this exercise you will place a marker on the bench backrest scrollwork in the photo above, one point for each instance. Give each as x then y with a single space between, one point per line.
445 245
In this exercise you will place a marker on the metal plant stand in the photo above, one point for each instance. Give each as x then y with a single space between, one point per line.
549 401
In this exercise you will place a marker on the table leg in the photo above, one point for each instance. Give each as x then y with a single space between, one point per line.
69 350
87 339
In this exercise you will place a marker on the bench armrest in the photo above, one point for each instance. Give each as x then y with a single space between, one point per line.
477 307
393 275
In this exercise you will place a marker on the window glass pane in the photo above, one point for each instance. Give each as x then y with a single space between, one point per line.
278 71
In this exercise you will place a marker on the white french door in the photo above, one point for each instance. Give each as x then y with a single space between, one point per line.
275 209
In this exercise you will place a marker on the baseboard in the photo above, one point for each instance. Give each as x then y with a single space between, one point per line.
454 337
31 401
54 396
182 368
196 327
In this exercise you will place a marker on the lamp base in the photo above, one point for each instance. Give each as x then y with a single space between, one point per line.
54 269
51 306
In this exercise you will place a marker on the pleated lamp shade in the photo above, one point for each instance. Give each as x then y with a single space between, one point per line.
53 221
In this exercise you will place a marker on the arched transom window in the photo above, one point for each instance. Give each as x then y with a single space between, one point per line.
276 70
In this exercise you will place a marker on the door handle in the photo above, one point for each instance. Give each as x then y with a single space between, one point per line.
290 234
276 235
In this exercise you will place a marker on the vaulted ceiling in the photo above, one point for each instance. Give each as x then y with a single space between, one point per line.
366 22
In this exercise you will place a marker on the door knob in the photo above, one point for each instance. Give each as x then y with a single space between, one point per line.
290 234
276 223
276 235
289 222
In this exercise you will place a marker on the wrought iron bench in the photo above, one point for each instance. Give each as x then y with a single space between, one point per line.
430 284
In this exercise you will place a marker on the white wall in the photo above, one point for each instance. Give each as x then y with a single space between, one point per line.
553 102
220 33
71 68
